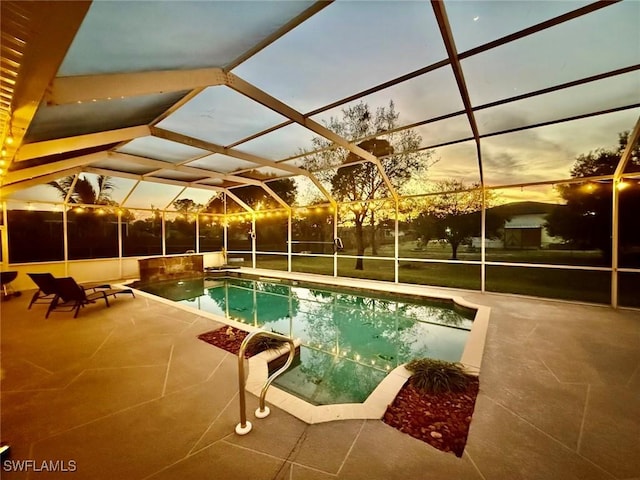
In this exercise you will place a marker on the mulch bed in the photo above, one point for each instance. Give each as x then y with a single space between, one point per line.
441 420
229 339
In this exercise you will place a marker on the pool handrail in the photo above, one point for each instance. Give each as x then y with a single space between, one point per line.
263 411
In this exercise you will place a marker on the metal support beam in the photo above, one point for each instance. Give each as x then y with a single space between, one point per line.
8 190
632 140
249 157
69 144
49 169
162 165
87 88
254 93
447 37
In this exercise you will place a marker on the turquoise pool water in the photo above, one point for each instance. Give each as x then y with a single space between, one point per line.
350 340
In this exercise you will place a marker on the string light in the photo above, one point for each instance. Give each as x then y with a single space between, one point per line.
622 185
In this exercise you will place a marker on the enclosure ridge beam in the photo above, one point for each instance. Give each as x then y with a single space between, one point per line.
254 93
91 88
63 145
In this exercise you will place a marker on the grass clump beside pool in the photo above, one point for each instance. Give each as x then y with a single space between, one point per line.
437 376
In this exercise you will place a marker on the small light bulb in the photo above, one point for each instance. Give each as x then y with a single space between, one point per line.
9 140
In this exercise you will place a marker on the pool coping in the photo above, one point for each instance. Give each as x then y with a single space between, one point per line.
376 404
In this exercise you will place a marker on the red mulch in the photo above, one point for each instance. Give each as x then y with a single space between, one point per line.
229 339
441 420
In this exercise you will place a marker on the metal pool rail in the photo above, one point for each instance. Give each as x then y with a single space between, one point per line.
262 411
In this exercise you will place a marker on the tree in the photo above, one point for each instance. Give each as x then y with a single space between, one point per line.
586 219
455 216
356 183
84 192
185 206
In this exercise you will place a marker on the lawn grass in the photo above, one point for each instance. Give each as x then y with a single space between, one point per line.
565 284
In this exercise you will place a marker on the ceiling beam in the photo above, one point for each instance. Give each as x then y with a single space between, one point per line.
452 52
254 93
54 168
162 165
249 157
632 141
62 145
215 148
7 190
140 178
87 88
238 200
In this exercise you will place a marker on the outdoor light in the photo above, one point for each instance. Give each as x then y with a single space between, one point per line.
621 185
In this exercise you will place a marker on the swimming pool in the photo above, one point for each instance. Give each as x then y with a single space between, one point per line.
350 339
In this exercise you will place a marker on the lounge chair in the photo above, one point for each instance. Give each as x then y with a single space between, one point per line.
46 288
70 296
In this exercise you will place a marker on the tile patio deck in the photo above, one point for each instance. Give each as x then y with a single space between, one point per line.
130 392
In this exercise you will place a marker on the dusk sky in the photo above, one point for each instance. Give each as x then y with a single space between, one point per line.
350 46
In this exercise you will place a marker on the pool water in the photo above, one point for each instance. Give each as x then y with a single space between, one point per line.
350 341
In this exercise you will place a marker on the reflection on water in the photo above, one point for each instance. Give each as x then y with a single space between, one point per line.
350 341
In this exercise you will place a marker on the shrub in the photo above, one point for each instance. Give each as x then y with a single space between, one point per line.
437 376
262 343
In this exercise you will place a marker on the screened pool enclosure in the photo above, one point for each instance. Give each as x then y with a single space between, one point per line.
481 145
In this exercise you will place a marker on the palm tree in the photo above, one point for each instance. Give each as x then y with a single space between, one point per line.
84 192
